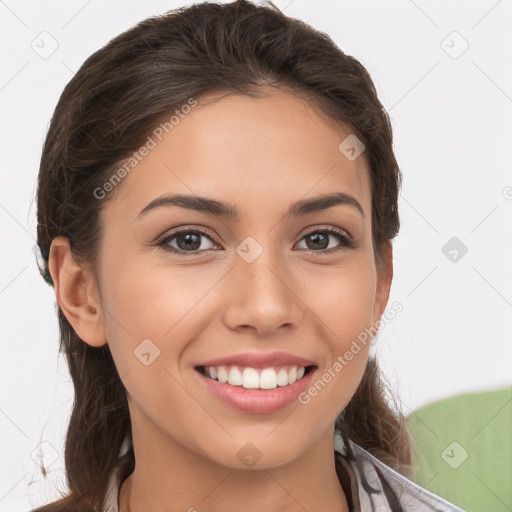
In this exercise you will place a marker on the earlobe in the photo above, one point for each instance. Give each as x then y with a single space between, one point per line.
75 293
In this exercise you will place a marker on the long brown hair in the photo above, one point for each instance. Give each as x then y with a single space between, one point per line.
106 112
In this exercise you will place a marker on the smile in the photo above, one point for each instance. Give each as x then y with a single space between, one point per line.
256 391
255 378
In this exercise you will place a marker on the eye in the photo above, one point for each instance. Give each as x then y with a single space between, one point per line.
319 239
191 241
186 240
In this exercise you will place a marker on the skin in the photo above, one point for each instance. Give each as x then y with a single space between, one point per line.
261 155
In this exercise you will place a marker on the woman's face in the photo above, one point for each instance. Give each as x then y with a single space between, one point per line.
260 281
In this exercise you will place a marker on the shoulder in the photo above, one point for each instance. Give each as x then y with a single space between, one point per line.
379 487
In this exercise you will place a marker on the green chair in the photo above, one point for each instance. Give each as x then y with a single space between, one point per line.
462 450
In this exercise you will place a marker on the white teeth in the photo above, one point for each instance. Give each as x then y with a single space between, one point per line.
282 378
268 379
250 378
222 374
235 377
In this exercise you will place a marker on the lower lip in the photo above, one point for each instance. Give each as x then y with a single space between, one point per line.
256 401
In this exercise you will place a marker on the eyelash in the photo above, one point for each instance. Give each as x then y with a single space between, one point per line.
346 241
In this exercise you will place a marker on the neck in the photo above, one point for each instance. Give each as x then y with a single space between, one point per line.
167 472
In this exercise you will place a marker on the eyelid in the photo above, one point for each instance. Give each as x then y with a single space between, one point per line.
186 228
345 239
208 233
328 228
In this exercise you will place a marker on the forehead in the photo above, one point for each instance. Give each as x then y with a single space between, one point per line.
246 150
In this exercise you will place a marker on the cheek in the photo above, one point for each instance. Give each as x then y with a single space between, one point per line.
351 317
344 303
161 304
146 327
343 300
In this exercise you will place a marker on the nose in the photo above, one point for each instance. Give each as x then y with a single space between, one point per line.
262 296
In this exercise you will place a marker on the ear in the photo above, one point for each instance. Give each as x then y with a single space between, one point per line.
76 293
384 279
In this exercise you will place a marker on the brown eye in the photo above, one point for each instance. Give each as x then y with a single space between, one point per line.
320 240
186 241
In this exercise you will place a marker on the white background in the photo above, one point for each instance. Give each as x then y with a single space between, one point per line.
452 122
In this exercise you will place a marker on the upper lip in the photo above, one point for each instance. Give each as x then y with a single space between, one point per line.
257 360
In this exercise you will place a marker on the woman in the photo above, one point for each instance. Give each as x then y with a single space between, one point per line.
216 203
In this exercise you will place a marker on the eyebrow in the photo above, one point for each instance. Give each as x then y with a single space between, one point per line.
228 211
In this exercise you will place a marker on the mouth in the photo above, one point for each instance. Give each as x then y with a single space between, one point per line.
256 378
255 390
